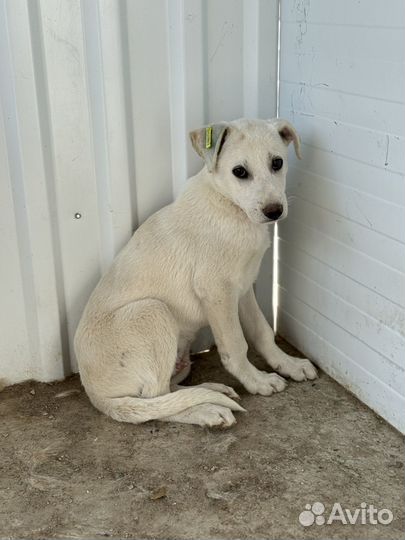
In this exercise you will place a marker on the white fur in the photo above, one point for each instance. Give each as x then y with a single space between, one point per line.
191 264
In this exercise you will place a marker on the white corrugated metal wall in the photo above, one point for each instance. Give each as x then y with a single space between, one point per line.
342 249
97 98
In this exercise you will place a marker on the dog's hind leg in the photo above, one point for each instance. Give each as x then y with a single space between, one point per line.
126 362
130 351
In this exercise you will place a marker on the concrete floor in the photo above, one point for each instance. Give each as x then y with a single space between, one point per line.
68 471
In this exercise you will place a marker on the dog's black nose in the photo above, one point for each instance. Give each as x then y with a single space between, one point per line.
273 211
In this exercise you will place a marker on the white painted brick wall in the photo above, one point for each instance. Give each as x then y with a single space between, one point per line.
342 249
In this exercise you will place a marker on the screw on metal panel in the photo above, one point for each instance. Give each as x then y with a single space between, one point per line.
78 215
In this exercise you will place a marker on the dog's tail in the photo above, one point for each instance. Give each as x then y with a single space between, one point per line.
138 410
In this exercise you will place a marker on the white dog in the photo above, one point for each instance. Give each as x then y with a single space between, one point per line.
191 264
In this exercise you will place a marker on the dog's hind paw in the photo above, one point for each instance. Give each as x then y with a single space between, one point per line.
210 415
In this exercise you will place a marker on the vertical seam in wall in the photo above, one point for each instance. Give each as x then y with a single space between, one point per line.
275 295
177 97
49 169
250 15
129 114
98 127
12 136
205 74
278 56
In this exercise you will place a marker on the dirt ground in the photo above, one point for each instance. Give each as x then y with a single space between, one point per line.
67 471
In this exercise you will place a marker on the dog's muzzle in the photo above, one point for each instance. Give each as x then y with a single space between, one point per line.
273 211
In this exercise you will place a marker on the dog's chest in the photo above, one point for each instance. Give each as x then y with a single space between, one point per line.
245 273
248 272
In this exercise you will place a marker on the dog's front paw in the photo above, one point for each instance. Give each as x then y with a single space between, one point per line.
301 369
266 384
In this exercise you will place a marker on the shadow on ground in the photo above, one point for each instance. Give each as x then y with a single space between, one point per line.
68 471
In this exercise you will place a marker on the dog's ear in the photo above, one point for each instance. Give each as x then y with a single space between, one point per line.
288 133
208 141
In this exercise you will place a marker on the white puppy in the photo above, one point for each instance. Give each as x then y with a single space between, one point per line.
191 264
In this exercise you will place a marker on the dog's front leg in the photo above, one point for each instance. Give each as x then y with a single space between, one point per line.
221 309
261 337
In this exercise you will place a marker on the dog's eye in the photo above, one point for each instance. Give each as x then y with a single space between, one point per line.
276 163
240 172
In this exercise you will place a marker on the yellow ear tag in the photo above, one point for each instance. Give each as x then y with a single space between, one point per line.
208 137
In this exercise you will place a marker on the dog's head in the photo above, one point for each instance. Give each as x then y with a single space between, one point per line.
248 163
